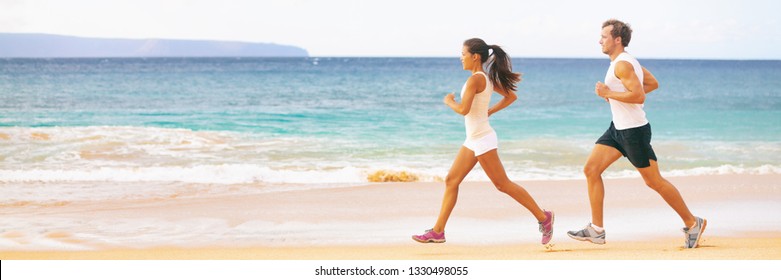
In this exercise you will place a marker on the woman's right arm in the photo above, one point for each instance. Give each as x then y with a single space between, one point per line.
508 97
469 94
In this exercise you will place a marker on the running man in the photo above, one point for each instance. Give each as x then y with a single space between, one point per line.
625 87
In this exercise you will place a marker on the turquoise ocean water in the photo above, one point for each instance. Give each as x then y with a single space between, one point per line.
109 127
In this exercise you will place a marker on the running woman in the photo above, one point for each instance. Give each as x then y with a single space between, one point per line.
625 87
481 141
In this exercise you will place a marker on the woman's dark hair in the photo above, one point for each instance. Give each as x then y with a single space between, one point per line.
500 69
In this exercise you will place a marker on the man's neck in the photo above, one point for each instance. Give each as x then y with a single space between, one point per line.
616 53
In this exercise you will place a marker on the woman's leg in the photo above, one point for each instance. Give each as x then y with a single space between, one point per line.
495 171
464 162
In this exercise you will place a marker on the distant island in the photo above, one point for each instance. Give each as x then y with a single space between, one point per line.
18 45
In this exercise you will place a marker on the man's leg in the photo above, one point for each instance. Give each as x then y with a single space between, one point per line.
669 193
602 156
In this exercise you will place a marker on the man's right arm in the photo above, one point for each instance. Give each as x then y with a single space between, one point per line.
649 81
635 89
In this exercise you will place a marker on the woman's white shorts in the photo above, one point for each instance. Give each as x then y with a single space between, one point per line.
483 144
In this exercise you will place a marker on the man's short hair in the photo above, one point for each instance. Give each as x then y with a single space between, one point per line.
620 29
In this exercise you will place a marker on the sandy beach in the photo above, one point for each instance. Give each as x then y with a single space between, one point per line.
375 221
714 248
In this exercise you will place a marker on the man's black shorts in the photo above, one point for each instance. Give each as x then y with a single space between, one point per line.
633 143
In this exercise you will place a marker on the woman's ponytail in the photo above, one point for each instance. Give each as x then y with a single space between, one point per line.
500 69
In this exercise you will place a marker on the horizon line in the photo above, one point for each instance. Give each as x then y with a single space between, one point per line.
377 57
340 56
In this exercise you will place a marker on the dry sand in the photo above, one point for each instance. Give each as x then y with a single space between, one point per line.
722 199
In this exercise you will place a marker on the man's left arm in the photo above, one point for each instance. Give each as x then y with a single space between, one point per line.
649 81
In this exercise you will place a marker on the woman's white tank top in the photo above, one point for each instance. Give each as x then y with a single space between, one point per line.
476 121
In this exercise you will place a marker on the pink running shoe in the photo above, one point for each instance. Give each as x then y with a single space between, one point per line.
546 227
430 237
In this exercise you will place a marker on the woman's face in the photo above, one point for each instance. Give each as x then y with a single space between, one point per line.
468 59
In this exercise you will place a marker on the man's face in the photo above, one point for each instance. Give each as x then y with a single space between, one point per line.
607 41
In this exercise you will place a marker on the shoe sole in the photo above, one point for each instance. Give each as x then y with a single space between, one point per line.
429 240
589 239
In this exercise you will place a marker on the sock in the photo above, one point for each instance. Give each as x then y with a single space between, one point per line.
598 229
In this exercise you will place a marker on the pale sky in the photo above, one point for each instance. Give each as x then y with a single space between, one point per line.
715 29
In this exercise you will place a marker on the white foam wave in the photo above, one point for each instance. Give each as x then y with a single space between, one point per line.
251 174
148 154
726 169
206 174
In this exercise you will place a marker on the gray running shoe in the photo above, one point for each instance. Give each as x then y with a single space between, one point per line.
588 234
693 234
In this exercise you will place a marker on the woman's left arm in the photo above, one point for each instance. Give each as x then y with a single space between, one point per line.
508 97
465 106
